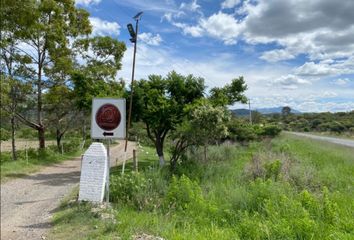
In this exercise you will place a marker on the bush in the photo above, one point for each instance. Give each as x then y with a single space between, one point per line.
183 194
72 145
128 189
4 134
271 131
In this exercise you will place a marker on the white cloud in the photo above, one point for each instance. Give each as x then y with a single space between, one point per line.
222 26
277 55
290 81
150 39
326 67
87 2
229 3
194 31
341 81
192 6
103 27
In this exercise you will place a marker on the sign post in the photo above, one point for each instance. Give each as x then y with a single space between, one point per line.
108 122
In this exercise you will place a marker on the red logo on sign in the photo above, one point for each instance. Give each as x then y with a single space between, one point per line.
108 117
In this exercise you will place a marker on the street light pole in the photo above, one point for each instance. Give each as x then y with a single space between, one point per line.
134 39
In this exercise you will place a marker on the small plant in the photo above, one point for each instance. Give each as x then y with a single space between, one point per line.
183 194
4 134
273 170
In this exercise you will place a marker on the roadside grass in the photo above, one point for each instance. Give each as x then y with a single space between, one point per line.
287 188
35 160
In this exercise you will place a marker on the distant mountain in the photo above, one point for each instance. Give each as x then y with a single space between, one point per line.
240 112
275 110
245 112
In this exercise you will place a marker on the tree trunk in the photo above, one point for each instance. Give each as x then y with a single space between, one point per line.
13 133
159 150
41 137
59 135
41 128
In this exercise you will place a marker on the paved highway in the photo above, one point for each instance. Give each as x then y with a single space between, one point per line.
345 142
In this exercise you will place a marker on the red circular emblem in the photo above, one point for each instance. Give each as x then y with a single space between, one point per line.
108 117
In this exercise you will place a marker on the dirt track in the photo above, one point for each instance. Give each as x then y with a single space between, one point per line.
27 203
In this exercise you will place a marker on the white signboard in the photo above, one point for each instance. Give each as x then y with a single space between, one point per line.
108 118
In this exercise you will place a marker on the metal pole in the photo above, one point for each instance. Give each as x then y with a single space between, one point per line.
131 88
108 170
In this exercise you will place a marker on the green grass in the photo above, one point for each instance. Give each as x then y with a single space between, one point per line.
287 188
36 160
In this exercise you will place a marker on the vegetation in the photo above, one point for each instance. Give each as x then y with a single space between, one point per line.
31 160
335 123
45 91
286 188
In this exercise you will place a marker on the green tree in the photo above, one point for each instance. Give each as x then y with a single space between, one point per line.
159 102
285 111
43 29
61 111
230 93
203 125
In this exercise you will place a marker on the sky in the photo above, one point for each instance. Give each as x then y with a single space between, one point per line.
296 53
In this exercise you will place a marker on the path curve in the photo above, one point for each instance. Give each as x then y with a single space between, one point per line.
344 142
28 203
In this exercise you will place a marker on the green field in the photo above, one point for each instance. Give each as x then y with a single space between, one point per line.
285 188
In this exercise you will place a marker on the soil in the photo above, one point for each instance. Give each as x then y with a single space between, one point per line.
28 202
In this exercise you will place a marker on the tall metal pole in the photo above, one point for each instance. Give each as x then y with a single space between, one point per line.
131 87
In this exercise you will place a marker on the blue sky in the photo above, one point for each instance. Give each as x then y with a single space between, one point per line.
290 52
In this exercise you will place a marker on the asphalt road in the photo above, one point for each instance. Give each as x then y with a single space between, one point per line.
344 142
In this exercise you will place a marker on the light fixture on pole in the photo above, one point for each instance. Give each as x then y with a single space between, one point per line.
133 39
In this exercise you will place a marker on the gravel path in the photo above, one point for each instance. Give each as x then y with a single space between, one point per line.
27 203
345 142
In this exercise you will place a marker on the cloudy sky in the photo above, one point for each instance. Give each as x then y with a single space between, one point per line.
291 52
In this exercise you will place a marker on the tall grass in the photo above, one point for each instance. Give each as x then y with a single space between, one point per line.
289 188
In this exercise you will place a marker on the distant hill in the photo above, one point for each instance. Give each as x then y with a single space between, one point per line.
275 110
245 112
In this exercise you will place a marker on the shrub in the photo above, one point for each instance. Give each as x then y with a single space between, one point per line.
4 134
183 194
128 188
72 145
273 170
271 131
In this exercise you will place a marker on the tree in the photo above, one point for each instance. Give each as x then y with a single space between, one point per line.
285 111
59 105
13 95
159 102
205 124
230 93
96 75
42 30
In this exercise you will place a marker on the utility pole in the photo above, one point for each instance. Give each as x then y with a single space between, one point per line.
250 112
134 39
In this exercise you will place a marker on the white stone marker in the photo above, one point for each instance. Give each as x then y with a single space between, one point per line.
93 173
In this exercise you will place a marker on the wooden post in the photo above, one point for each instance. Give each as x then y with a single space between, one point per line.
26 153
135 161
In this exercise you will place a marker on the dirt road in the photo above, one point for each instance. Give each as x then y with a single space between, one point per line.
345 142
27 203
